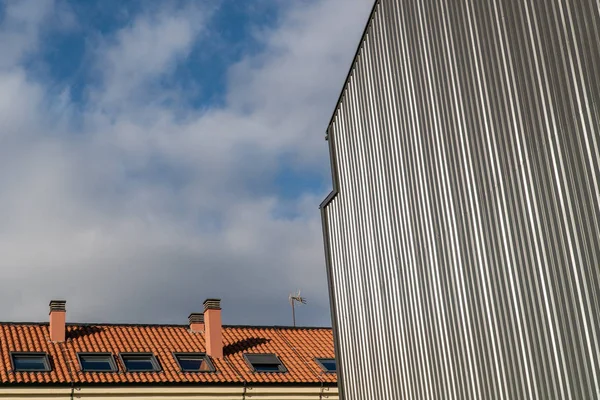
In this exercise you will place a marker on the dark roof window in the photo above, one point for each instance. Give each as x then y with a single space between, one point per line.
24 362
328 364
194 362
140 362
97 362
265 363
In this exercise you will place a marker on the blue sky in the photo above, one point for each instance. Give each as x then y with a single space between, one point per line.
156 153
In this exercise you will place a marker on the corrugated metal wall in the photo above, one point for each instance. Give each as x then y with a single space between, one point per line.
463 233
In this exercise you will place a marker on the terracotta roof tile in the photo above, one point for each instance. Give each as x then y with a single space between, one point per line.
296 347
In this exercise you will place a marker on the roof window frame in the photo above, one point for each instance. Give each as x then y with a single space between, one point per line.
176 355
320 360
152 358
110 356
282 367
46 360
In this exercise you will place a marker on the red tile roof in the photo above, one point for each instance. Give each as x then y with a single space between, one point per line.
296 347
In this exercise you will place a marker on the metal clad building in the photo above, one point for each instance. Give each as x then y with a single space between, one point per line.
463 233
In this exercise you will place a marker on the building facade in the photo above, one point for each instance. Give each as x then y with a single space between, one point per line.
199 360
462 236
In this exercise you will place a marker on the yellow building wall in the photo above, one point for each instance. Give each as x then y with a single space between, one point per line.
167 393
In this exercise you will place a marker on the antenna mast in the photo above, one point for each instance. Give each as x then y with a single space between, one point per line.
299 299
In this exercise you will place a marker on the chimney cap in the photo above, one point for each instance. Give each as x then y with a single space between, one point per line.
58 305
196 318
212 304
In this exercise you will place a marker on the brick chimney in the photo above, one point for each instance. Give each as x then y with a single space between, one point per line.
196 322
58 315
213 328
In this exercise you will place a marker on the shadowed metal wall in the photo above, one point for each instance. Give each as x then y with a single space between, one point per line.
463 232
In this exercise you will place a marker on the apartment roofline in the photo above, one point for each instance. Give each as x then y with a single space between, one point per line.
288 327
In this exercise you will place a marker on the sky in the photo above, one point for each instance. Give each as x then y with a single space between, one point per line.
157 153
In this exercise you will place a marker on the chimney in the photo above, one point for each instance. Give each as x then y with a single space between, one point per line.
58 314
196 322
213 328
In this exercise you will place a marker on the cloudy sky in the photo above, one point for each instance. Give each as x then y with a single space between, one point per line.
156 153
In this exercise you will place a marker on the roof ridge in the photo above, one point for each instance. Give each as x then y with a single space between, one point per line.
166 325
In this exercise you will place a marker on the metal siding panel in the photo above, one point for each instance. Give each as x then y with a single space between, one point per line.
463 232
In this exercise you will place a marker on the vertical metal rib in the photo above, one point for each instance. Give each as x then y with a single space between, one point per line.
463 233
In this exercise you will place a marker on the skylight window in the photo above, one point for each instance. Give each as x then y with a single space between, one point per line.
328 364
24 362
97 362
194 362
265 363
140 362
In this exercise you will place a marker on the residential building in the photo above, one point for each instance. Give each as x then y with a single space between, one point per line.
200 360
463 233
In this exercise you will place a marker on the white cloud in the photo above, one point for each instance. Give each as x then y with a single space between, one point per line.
139 211
151 46
20 28
23 23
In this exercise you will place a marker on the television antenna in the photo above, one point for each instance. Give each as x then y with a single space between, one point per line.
293 298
